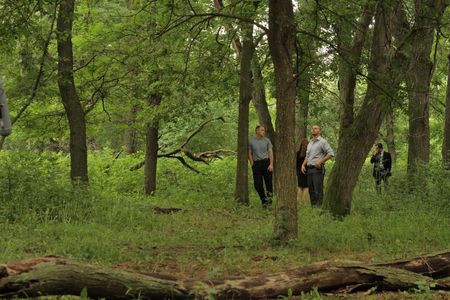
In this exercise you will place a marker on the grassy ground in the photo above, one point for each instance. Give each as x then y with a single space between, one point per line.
113 223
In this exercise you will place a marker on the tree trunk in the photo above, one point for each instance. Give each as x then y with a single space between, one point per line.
357 138
5 120
245 95
390 141
418 78
69 96
56 276
281 39
151 150
446 142
349 61
303 88
260 101
130 133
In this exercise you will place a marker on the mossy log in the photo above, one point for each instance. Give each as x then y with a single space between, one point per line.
57 276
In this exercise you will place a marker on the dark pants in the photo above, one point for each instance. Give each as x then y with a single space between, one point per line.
260 174
380 176
315 185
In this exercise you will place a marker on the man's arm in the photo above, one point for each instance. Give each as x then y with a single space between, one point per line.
270 168
321 162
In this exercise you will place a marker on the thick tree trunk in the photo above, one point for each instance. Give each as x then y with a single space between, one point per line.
245 95
446 142
281 39
69 96
260 101
357 139
130 133
151 150
349 62
418 78
56 276
303 88
390 141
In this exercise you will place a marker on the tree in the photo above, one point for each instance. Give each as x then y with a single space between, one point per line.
74 110
358 132
245 95
151 149
418 78
281 37
446 142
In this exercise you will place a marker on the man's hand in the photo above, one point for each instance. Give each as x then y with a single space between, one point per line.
318 165
270 168
303 169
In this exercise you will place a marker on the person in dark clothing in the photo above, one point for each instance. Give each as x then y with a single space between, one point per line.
382 163
260 156
302 179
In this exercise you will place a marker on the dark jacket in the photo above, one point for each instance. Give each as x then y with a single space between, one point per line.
382 167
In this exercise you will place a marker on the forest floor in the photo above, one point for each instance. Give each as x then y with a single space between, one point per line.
111 223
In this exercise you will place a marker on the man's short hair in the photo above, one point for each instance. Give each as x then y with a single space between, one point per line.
258 126
380 145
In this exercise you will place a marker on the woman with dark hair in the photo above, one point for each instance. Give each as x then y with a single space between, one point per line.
302 181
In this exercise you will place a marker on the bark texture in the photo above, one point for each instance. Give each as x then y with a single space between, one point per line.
130 133
446 142
427 17
72 105
57 276
245 96
260 100
390 140
281 39
358 134
151 150
304 78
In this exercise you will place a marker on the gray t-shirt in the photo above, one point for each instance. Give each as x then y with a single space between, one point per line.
259 148
317 149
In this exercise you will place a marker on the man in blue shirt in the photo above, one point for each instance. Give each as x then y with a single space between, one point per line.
317 153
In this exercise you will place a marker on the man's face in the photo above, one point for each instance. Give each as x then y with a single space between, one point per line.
315 130
378 149
261 131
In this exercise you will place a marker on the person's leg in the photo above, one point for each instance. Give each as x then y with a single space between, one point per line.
313 186
385 181
378 182
258 181
305 195
268 182
302 196
312 198
318 186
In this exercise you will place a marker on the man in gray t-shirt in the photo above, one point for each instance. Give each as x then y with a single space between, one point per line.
260 156
317 153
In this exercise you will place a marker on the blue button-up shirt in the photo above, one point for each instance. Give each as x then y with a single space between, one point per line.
317 149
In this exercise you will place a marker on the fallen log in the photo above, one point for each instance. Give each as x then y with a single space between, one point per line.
58 276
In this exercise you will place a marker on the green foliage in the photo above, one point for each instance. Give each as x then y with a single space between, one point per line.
42 214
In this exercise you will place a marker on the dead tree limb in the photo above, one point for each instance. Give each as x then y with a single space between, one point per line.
192 135
199 157
57 276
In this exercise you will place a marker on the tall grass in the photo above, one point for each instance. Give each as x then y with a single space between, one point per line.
112 222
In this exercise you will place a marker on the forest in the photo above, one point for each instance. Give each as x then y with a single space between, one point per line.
128 167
